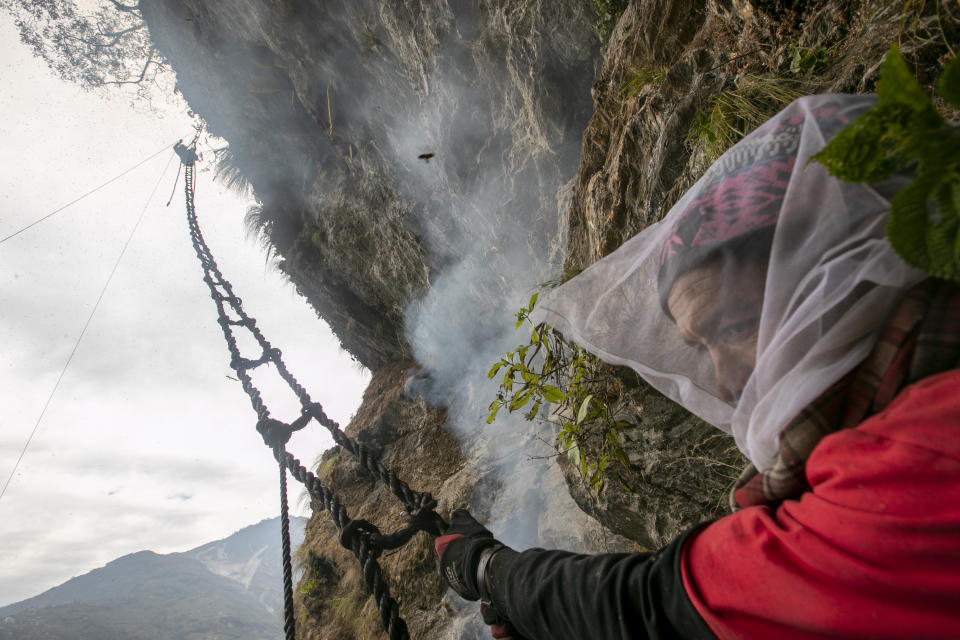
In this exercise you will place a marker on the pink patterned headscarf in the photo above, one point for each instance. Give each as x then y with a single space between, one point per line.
734 217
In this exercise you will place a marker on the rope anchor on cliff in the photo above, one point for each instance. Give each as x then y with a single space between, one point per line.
362 538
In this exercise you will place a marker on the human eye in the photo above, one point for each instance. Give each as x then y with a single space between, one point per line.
739 330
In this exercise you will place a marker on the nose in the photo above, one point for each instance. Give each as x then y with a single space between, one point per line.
731 374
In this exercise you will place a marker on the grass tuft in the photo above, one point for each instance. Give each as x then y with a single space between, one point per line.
639 79
736 112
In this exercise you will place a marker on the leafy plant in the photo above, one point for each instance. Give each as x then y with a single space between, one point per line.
734 113
607 12
905 132
307 586
806 62
551 372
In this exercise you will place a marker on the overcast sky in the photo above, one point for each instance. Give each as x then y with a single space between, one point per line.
147 444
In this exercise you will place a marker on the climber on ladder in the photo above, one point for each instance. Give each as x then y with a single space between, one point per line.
188 154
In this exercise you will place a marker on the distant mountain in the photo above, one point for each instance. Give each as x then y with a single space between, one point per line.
230 589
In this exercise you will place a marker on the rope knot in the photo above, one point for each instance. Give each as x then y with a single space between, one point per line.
275 434
426 519
316 410
358 531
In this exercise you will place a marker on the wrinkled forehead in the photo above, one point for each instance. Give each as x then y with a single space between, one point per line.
736 264
715 292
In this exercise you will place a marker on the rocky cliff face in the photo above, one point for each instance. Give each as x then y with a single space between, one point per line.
410 435
668 63
327 106
417 263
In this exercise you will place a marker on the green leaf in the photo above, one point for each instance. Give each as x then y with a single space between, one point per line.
567 436
494 369
948 86
621 455
584 407
493 414
861 151
904 131
551 394
569 427
944 234
578 377
878 142
533 301
533 412
912 233
955 193
573 454
535 336
898 86
520 400
924 235
593 472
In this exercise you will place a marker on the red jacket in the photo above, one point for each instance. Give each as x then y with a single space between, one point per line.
872 551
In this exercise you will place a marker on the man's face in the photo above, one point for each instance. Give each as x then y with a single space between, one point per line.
717 308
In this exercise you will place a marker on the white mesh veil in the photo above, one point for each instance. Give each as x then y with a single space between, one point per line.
832 278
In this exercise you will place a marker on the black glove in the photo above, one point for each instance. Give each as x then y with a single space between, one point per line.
459 550
500 627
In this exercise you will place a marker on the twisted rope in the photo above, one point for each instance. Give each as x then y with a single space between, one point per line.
289 624
362 538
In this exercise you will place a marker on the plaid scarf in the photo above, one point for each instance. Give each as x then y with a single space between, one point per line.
921 339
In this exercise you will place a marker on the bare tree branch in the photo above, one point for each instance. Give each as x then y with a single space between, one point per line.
124 7
143 72
115 36
93 47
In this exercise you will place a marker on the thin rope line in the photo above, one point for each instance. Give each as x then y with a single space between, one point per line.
72 202
84 331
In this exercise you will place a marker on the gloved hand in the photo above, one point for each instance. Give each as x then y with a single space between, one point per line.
460 550
500 627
